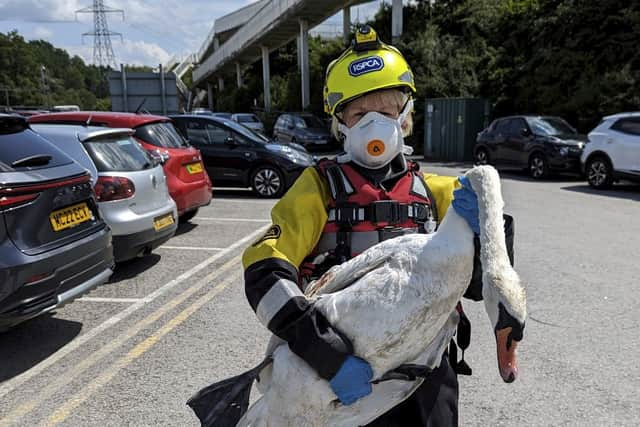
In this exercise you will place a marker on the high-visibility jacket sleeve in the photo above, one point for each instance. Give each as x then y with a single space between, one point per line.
441 188
271 276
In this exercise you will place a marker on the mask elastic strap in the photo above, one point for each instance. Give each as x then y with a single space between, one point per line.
406 109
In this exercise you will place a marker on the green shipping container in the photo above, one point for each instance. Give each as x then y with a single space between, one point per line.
451 126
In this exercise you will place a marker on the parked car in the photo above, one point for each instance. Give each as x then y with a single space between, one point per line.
130 185
208 112
54 244
540 144
188 183
249 120
613 151
304 129
237 156
222 115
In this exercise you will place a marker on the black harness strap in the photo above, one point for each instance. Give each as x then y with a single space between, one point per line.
345 221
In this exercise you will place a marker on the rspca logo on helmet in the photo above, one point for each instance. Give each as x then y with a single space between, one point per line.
366 65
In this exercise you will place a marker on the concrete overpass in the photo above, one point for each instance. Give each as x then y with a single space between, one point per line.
250 33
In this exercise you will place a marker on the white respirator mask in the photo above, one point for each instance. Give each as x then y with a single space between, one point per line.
375 140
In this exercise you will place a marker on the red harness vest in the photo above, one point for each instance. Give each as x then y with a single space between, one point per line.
361 214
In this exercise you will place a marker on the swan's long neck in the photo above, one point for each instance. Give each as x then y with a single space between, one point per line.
501 284
504 297
493 247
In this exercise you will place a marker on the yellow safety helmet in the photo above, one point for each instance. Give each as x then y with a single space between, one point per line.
367 65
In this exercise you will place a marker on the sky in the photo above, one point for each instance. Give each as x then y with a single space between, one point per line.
153 31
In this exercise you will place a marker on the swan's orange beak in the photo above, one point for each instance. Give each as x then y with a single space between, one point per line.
507 362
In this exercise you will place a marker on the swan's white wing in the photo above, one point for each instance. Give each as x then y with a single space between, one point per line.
341 276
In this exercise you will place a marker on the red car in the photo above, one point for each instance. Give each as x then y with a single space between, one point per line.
188 182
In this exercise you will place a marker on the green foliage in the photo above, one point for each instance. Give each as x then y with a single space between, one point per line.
35 73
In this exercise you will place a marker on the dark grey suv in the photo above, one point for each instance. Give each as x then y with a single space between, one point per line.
54 246
304 129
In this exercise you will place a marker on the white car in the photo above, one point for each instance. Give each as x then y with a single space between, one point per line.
249 120
613 151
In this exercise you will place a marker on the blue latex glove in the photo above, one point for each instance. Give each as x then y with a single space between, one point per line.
465 202
352 381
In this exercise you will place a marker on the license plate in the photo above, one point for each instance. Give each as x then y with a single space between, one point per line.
70 216
162 222
194 168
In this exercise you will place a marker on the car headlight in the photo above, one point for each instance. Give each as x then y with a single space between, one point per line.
297 157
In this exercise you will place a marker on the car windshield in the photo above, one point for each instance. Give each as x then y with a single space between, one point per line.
549 126
245 131
162 134
310 122
118 154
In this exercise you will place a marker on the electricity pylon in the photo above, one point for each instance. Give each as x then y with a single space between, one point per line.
102 51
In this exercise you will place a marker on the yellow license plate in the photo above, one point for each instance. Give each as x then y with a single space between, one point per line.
194 168
163 222
70 216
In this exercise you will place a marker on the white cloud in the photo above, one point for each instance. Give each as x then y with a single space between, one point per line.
153 29
41 10
129 52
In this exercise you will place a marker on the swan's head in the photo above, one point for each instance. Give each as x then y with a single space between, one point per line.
505 302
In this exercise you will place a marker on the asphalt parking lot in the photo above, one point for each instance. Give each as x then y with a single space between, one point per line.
135 349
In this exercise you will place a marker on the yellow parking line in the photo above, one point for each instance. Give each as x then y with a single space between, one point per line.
64 411
52 388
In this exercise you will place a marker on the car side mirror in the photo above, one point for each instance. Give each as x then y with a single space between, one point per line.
525 132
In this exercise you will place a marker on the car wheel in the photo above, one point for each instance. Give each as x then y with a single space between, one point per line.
538 167
187 216
599 173
267 181
481 157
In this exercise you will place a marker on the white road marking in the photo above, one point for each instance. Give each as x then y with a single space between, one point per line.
204 218
53 387
191 248
107 374
18 380
98 299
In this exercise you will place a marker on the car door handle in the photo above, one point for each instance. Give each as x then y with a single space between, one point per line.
609 141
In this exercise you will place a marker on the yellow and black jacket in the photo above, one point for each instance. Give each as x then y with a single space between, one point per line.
272 269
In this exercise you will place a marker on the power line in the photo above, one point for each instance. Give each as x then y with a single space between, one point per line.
102 50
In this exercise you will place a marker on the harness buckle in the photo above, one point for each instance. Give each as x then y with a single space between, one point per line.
421 212
347 215
388 211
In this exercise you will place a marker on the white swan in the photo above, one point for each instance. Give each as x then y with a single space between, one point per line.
396 302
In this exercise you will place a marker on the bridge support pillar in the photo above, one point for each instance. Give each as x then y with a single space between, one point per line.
238 75
266 77
346 25
304 63
396 20
220 84
210 96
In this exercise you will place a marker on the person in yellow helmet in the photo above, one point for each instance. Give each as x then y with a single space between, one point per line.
339 208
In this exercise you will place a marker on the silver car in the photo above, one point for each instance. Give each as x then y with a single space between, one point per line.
249 120
129 183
